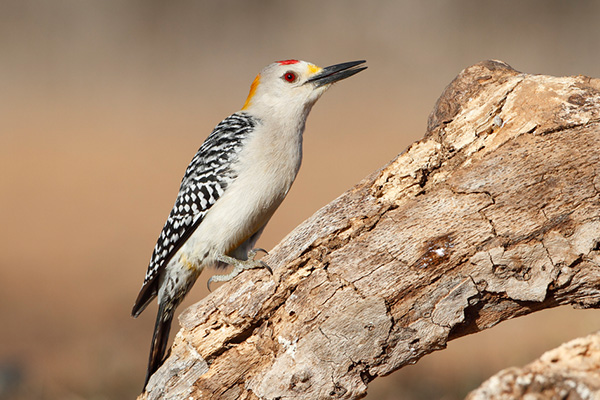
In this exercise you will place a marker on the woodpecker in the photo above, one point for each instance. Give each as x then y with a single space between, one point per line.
231 188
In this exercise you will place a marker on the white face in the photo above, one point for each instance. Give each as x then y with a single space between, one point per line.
284 84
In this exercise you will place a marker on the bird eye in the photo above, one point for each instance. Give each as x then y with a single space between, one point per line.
290 76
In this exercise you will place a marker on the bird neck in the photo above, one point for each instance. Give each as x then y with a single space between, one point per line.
286 122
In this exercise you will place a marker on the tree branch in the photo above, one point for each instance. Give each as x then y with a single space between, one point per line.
492 215
571 371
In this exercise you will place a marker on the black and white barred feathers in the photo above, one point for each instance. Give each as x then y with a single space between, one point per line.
205 180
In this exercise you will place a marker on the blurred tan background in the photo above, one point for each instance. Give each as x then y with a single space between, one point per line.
103 104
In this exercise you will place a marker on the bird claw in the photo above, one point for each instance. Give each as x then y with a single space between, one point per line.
252 253
266 266
210 280
239 266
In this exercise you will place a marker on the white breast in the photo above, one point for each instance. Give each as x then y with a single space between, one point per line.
266 169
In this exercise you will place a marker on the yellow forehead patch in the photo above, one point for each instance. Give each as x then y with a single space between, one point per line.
313 69
252 91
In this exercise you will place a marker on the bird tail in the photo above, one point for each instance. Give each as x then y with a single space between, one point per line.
160 338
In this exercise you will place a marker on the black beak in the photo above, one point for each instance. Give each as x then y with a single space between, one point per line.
336 73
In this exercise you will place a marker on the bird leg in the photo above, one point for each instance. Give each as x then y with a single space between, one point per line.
239 266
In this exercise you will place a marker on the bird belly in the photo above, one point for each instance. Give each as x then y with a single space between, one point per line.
244 208
239 213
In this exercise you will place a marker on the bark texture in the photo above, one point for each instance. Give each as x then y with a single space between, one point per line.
494 214
571 371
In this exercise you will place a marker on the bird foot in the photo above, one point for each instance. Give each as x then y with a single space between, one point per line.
239 266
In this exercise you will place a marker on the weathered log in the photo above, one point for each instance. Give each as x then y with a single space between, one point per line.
571 371
494 214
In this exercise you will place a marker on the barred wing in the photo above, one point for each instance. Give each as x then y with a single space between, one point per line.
205 180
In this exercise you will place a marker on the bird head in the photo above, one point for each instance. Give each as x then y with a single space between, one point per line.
294 86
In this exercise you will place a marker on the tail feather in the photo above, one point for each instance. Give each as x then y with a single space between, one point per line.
148 292
160 338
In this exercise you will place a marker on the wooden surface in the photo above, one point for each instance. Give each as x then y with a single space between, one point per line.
571 371
495 213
